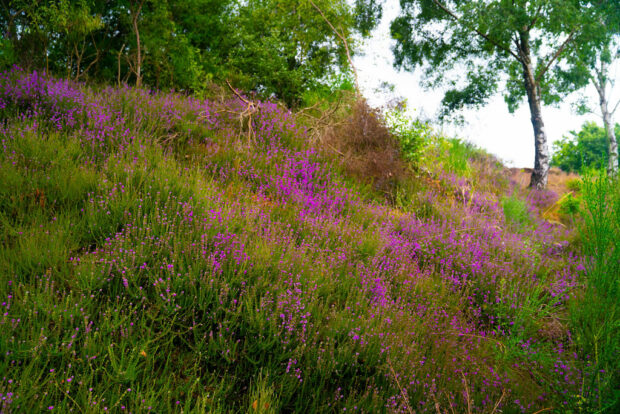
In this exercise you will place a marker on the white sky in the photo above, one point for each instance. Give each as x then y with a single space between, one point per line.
508 136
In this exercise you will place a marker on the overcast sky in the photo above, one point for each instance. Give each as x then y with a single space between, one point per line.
508 136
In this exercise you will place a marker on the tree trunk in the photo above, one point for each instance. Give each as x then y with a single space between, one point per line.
612 165
541 158
599 84
136 15
118 61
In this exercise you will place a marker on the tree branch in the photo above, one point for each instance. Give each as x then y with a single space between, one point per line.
478 32
237 93
97 55
613 111
556 55
344 41
535 19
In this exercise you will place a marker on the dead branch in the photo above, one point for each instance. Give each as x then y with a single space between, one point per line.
319 124
237 93
246 115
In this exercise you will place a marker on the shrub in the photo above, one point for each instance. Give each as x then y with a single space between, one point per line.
596 313
413 135
569 204
574 184
516 211
369 150
582 149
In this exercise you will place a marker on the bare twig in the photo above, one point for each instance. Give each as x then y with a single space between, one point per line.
402 392
135 11
336 150
118 59
319 124
557 54
97 55
237 93
499 401
250 110
467 393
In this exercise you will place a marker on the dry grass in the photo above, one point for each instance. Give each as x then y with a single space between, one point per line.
557 181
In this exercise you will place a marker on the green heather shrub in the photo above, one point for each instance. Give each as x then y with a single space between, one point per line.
569 204
516 211
413 135
574 184
455 155
595 315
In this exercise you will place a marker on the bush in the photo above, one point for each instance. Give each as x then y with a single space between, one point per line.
596 313
412 134
574 184
516 211
369 150
582 150
569 204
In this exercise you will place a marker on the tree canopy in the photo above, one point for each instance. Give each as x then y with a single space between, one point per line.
274 47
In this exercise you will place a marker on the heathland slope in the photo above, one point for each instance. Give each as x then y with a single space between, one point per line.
158 254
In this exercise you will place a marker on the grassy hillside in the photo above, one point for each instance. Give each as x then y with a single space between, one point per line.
155 255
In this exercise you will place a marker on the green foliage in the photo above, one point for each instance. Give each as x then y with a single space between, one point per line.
328 91
7 55
574 184
584 149
595 315
454 155
283 48
481 36
569 205
367 14
272 47
413 135
516 211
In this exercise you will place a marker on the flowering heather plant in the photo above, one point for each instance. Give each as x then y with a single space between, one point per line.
152 260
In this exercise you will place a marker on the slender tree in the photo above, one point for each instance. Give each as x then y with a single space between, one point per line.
519 41
601 80
596 50
136 64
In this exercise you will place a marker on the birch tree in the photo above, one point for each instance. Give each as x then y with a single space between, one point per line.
592 63
518 42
